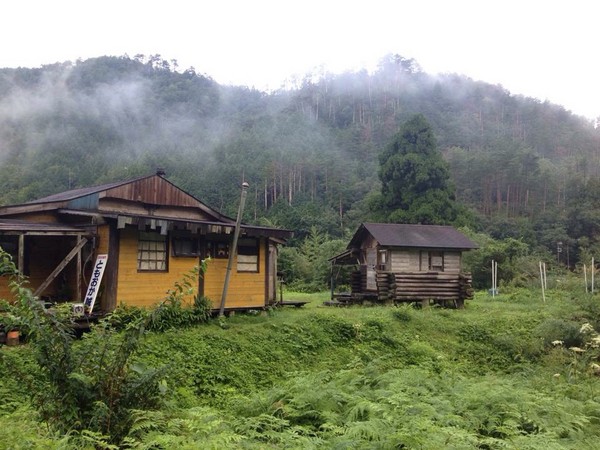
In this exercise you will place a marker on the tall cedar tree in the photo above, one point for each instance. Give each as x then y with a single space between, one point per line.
415 179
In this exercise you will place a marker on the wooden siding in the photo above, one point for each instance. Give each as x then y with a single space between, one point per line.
152 190
138 209
452 262
368 243
246 290
102 239
5 293
405 260
145 288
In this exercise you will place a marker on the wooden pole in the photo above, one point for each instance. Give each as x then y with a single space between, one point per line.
233 250
585 278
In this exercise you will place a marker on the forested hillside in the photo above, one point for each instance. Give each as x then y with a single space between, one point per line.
528 169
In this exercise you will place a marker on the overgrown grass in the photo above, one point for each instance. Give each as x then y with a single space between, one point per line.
491 376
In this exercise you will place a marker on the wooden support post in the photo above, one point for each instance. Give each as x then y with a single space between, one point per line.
79 270
21 257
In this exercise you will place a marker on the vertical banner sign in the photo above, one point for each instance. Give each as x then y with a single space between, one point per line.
92 290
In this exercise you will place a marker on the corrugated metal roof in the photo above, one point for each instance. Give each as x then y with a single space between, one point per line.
411 235
81 192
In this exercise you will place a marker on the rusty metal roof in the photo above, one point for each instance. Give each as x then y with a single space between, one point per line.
412 235
81 192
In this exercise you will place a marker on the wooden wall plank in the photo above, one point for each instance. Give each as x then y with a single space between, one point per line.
246 289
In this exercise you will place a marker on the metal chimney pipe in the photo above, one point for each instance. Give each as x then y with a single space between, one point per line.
233 250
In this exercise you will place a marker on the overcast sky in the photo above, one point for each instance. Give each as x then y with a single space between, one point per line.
546 49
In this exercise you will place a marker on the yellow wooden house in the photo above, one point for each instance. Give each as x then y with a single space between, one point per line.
151 233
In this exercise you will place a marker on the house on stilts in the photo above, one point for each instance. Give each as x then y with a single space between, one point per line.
395 263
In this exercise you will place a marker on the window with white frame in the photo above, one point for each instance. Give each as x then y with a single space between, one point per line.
152 252
247 255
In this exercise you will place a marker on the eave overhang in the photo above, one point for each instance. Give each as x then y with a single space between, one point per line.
166 224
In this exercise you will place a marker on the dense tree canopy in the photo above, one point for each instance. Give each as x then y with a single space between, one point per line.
415 179
311 153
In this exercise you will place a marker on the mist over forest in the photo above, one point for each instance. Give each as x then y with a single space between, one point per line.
526 169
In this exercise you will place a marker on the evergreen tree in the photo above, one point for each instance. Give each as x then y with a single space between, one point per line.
415 179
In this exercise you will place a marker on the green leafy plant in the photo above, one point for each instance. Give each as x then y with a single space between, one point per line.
559 330
7 266
84 387
332 378
174 312
9 318
124 314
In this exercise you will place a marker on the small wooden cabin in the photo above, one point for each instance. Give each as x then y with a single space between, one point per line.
406 263
152 232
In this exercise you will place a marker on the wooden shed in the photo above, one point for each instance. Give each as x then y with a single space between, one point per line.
396 263
151 233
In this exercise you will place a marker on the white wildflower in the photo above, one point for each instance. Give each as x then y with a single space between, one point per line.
587 328
594 342
557 343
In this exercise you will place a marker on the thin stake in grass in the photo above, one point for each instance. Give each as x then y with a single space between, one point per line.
543 279
593 270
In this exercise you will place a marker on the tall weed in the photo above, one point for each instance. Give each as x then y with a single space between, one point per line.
88 388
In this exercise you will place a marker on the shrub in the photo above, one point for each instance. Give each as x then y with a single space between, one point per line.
173 312
568 333
125 315
91 388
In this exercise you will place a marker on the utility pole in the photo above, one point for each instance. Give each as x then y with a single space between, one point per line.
233 249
